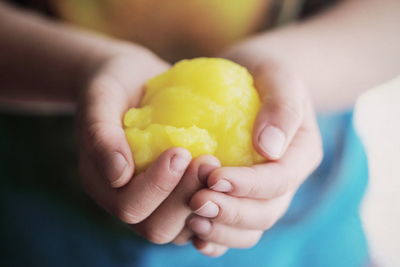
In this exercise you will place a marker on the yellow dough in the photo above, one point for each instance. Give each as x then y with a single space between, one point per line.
206 105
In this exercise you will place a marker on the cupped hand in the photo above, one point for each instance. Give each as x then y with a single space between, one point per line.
155 202
241 203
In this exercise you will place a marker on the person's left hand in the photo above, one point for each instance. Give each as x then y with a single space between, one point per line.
241 203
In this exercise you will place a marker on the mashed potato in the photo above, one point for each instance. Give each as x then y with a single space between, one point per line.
206 105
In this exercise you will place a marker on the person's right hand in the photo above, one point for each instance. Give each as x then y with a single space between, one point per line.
151 201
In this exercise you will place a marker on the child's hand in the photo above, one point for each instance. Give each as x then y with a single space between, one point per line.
242 202
152 201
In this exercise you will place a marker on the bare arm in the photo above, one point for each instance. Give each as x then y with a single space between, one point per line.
335 56
41 60
339 53
46 61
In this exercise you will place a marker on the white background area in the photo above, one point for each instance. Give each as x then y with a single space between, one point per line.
378 124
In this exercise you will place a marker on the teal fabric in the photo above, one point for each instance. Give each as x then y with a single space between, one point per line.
48 221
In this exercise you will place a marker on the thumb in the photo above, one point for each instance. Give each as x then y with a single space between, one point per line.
281 113
117 86
101 132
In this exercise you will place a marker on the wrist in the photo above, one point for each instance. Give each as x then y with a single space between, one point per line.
103 56
262 57
269 66
268 49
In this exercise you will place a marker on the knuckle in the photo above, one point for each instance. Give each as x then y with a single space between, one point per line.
231 217
160 187
201 196
267 224
94 133
181 240
127 214
291 108
159 181
254 188
283 186
98 136
253 240
217 252
157 236
236 218
105 85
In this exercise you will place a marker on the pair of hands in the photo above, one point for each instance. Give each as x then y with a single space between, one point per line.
180 199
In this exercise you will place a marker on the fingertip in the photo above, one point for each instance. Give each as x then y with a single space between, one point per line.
218 181
173 160
183 152
109 151
179 159
203 203
122 166
169 167
122 161
117 168
208 248
198 199
206 164
271 142
199 225
222 186
199 243
184 237
208 159
277 122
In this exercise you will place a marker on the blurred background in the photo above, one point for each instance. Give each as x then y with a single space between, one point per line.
377 120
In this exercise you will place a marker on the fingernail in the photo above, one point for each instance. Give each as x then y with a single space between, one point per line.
272 141
200 226
178 163
209 209
208 249
222 186
203 172
119 165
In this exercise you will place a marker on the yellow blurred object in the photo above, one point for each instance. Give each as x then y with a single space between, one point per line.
206 105
173 29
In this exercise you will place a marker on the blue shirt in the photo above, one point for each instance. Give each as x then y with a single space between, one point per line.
48 221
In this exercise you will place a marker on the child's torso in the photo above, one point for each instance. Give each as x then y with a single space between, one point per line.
176 29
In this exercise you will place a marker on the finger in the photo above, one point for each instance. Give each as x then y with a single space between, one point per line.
101 108
168 220
147 190
102 130
281 113
208 248
245 213
223 234
184 237
273 179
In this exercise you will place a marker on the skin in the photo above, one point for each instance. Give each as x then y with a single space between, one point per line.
245 191
94 74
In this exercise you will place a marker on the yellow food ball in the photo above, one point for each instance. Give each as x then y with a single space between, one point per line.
206 105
